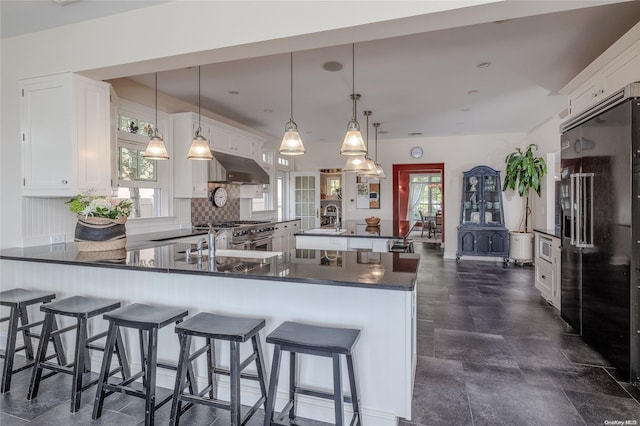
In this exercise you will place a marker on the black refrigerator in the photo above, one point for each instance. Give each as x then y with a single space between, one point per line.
600 228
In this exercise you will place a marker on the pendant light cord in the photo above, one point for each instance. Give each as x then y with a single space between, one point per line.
376 126
199 127
291 74
353 79
156 123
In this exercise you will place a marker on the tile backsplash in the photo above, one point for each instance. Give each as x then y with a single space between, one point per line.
203 211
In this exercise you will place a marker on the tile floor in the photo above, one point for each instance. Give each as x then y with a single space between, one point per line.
490 352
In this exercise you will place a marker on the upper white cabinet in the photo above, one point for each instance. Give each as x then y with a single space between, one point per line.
65 126
190 177
622 70
234 141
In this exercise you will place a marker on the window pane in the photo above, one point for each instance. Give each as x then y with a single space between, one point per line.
132 166
145 201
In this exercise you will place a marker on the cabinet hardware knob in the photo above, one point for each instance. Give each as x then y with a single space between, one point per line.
64 181
544 277
593 95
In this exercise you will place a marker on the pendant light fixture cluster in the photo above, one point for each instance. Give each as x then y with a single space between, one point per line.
199 149
155 148
291 142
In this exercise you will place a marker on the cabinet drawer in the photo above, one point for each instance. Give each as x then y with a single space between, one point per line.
545 277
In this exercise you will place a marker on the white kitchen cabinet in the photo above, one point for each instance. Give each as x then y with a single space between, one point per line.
66 142
284 235
190 177
624 69
547 267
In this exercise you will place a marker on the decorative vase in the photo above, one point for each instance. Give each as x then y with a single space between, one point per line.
100 233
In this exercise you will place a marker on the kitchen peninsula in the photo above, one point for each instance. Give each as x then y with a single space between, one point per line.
374 292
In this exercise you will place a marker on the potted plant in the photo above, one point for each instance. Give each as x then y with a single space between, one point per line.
524 173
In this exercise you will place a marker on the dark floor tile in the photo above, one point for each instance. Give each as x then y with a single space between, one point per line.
603 409
537 350
489 312
579 378
7 420
439 372
473 347
424 327
507 403
474 371
60 415
425 346
53 392
509 327
436 405
577 351
632 389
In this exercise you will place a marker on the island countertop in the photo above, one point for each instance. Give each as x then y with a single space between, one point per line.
365 269
353 228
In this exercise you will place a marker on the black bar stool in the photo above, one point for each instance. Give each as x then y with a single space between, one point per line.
18 299
218 327
331 342
147 320
81 308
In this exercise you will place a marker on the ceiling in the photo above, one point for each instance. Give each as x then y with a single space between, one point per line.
425 84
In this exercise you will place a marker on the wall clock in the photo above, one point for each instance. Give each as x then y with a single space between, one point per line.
416 152
219 197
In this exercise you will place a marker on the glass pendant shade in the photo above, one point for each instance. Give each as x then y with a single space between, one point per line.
371 168
353 143
291 142
199 149
156 149
355 163
380 171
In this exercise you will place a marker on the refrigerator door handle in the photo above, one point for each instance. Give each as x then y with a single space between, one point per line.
587 188
573 219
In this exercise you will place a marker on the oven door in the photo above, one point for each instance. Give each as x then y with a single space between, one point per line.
262 244
241 245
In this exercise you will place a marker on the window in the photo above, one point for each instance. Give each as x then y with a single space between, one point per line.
144 182
428 189
282 195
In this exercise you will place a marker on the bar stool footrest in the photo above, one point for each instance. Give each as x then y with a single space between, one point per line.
320 394
226 372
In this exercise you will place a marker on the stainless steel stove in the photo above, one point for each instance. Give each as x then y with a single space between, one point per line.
244 234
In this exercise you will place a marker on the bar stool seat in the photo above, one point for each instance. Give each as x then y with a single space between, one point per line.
147 320
295 337
213 327
81 308
18 299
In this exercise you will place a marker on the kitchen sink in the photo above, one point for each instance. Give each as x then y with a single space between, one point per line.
328 231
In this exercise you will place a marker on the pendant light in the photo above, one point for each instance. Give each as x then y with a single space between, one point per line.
379 170
199 147
291 142
355 163
353 143
155 148
371 167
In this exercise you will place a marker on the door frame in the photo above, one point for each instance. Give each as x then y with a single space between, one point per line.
401 173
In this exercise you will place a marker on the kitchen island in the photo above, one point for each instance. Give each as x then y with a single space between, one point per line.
374 292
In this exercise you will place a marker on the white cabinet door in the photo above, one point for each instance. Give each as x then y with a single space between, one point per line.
623 70
242 146
190 177
65 122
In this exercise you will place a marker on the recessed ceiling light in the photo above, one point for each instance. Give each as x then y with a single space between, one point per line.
332 66
465 109
415 133
233 92
484 65
473 92
267 110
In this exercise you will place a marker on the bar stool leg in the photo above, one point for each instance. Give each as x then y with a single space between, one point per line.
36 373
273 385
10 350
337 390
143 356
354 392
26 333
151 360
122 356
292 384
257 348
178 389
104 370
57 344
236 414
211 365
81 363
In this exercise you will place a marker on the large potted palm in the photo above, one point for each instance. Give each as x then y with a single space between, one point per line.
524 173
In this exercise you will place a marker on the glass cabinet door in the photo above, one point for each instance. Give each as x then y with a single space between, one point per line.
471 204
491 200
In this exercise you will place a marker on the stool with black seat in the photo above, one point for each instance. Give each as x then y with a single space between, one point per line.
214 327
82 309
18 299
147 320
331 342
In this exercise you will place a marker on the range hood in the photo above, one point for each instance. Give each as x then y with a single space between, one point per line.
240 169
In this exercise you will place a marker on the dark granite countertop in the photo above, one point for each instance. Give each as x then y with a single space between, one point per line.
149 252
360 229
551 232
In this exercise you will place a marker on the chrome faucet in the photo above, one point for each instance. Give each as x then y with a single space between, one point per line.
211 241
201 241
335 206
